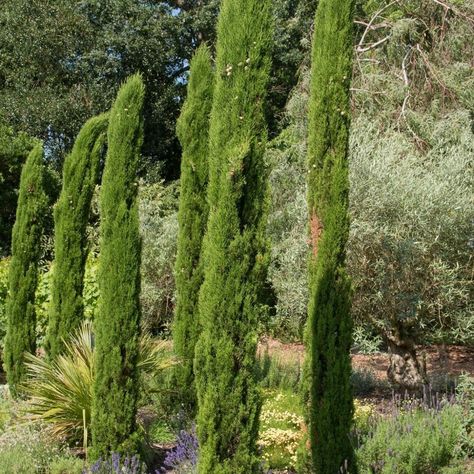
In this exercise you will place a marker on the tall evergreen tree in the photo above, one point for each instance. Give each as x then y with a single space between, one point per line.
71 215
234 249
329 330
193 133
117 326
23 276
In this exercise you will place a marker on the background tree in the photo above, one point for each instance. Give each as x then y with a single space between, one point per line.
329 327
235 252
193 132
14 150
53 53
71 216
117 325
23 273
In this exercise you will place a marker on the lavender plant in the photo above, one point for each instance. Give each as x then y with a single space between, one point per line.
412 436
117 464
183 458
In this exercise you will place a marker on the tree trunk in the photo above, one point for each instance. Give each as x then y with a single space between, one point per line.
405 369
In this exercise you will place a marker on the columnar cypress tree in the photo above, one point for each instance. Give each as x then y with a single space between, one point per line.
71 215
26 252
193 133
234 249
117 325
329 330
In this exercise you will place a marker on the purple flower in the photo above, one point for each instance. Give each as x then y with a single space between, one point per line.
185 452
116 465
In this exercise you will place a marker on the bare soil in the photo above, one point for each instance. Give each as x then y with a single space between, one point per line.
450 360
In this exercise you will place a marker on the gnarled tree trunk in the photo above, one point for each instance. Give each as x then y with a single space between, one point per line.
405 368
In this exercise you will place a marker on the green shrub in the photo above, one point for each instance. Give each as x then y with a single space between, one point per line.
365 340
328 333
71 217
160 432
193 132
15 460
363 382
412 442
235 251
66 465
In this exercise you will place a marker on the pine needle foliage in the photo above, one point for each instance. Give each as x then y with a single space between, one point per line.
235 248
23 273
193 133
117 325
329 328
71 216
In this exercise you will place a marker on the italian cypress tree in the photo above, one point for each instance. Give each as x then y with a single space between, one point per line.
193 133
23 273
71 215
329 330
234 250
117 326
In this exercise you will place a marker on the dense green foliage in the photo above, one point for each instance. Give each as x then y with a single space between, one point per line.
71 216
23 272
193 133
117 325
413 274
328 336
235 254
13 152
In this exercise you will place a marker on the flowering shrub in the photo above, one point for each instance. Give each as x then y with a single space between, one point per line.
411 441
183 458
117 464
280 430
363 416
27 448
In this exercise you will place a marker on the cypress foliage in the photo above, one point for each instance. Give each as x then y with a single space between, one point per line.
235 248
23 274
193 133
329 329
117 326
71 215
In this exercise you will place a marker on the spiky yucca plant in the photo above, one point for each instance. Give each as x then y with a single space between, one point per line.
61 390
